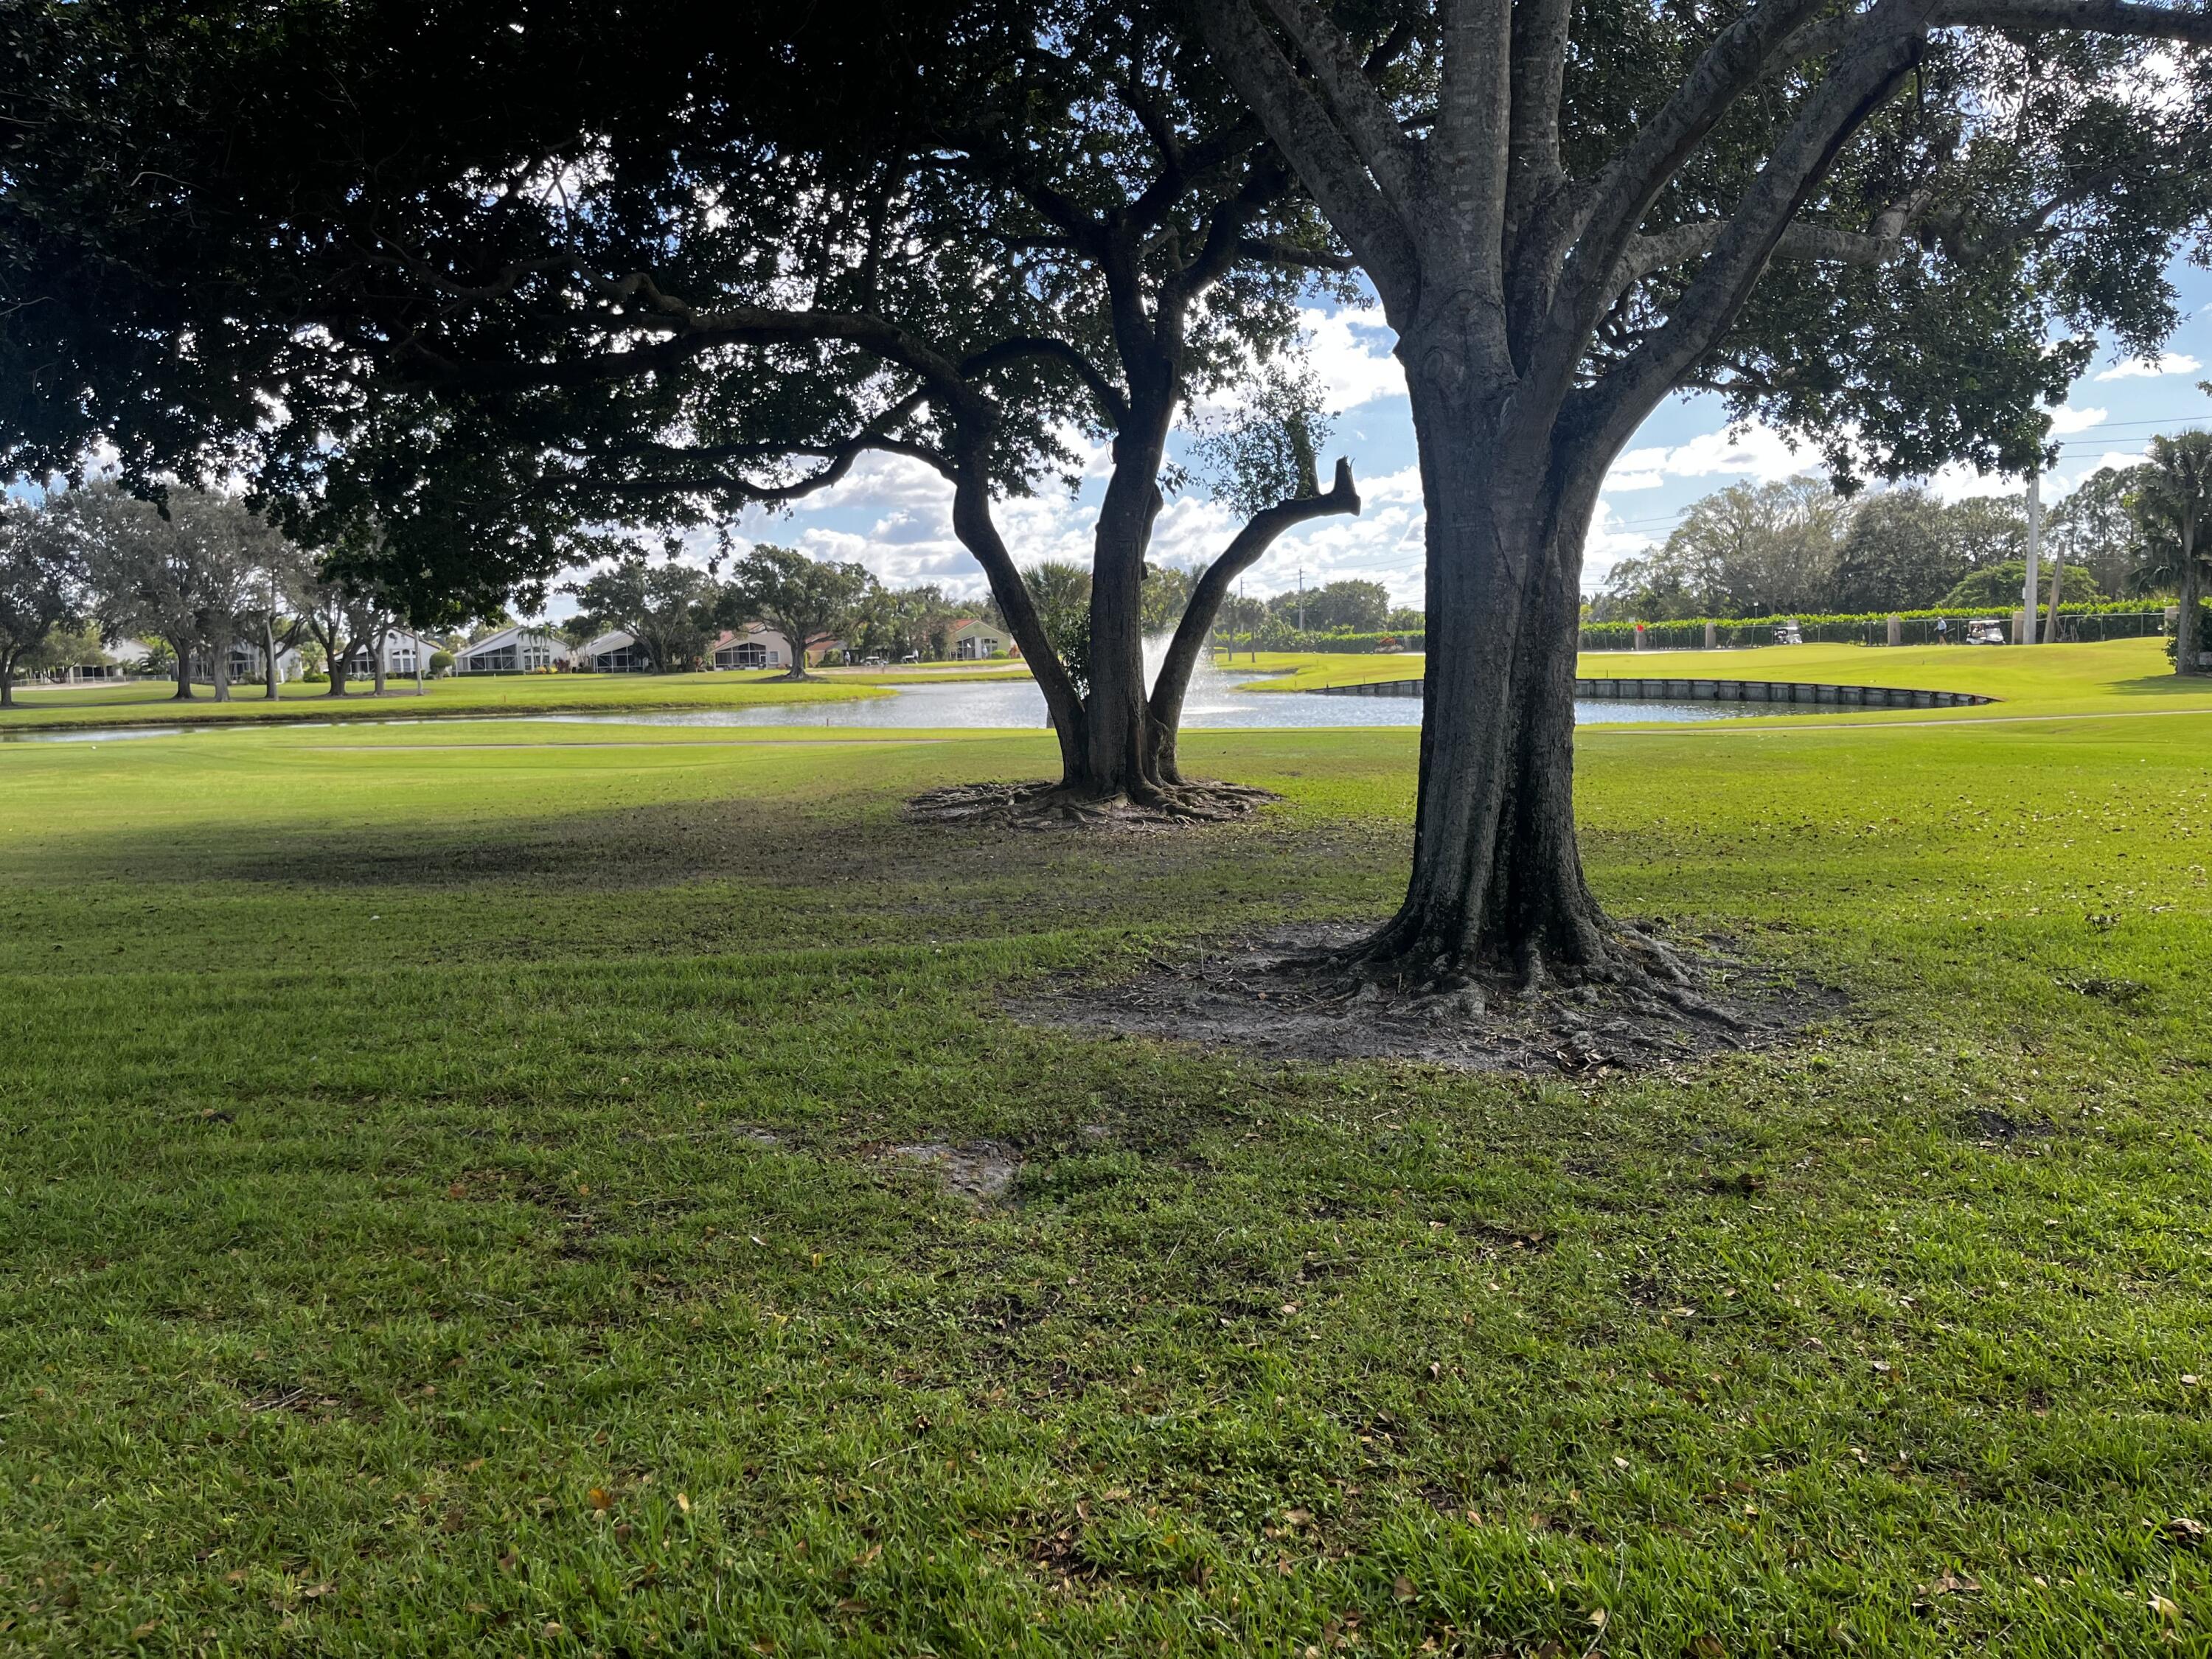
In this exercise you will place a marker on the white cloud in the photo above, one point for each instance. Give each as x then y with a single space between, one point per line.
1609 543
1758 451
1350 350
2171 362
2070 419
1958 481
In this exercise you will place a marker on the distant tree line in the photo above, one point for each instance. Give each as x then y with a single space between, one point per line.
1779 549
1061 590
676 611
185 579
90 573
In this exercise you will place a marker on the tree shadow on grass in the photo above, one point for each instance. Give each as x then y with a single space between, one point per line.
2163 685
843 867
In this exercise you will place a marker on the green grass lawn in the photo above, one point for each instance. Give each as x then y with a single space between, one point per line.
445 1208
153 702
2120 675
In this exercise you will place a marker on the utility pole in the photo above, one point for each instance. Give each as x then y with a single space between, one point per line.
2031 603
1302 599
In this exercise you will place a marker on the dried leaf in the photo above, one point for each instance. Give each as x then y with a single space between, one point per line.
599 1499
1402 1588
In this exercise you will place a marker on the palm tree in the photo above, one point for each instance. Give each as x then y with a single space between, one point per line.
2176 494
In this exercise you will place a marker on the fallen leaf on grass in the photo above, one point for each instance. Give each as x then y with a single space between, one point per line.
2184 1531
599 1499
1951 1585
1403 1587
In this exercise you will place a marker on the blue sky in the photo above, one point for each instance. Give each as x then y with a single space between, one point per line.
894 516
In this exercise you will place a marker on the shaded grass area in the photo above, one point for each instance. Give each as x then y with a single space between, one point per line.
444 1207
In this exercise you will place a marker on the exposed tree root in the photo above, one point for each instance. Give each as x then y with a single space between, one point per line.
1316 995
1043 805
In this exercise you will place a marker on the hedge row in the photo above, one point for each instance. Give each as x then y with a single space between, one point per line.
1404 640
1834 627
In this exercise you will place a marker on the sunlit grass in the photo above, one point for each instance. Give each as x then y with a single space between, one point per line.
393 1256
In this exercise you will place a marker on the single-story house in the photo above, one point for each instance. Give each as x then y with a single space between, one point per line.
123 660
246 661
615 653
971 639
754 646
510 651
403 652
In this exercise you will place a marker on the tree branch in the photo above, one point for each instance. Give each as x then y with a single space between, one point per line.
1622 194
1269 250
1260 532
2094 16
1112 405
1325 160
1749 238
1361 115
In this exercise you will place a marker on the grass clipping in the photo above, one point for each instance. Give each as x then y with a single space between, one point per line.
1288 997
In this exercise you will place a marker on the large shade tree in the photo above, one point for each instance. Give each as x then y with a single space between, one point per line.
1571 211
42 583
506 278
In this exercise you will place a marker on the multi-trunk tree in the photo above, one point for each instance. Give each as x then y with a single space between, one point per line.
668 608
811 602
185 570
508 279
1571 211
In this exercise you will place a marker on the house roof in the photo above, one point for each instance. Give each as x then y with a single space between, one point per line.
506 636
613 640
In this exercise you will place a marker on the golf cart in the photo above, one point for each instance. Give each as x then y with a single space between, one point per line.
1788 633
1985 630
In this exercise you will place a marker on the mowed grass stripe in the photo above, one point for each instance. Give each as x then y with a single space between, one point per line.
347 1267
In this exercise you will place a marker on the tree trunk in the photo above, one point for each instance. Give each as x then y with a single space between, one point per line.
1498 880
184 650
2188 632
1207 596
979 533
337 669
1120 756
797 643
376 647
219 668
7 685
271 676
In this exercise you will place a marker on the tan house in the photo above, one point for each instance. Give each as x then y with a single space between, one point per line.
972 640
754 646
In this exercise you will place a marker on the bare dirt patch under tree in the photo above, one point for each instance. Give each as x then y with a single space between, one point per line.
1043 805
1289 996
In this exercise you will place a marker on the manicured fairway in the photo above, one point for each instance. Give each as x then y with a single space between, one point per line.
152 703
445 1208
2120 677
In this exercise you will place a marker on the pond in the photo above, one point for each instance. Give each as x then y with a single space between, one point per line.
1215 703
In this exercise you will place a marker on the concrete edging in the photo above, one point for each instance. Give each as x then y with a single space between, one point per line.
1626 688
